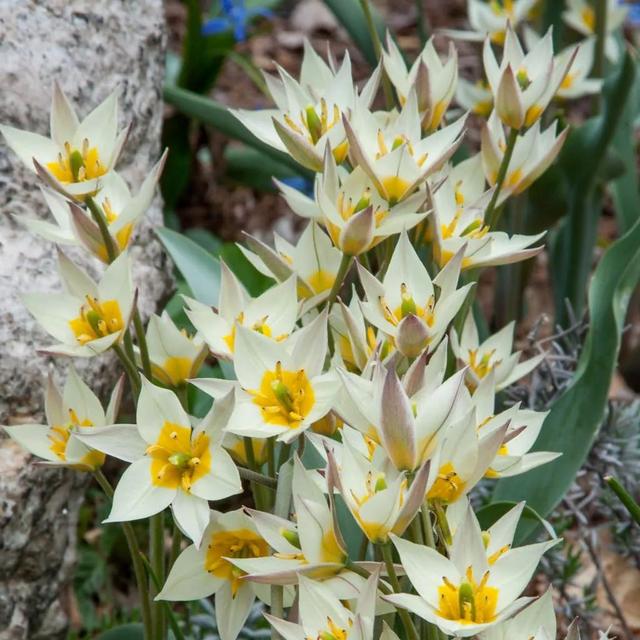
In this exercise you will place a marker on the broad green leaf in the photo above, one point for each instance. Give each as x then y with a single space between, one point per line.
581 160
573 422
254 168
255 282
218 116
199 268
123 632
351 16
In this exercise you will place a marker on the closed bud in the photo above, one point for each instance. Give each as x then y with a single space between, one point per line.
357 235
412 336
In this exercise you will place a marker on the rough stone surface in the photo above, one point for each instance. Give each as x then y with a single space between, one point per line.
91 48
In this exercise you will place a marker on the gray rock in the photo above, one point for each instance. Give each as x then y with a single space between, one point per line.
90 48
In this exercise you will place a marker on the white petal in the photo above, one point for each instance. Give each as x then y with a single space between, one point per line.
192 515
232 612
188 578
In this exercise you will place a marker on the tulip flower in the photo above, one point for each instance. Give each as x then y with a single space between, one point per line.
77 406
459 224
172 464
323 616
202 571
308 114
79 154
273 314
580 16
494 354
175 356
314 260
464 595
381 501
475 97
523 85
434 81
393 152
282 390
404 304
349 207
533 154
88 318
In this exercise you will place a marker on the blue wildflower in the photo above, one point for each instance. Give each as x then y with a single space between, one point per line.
300 183
236 18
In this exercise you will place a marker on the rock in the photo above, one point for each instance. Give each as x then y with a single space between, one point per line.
90 48
310 16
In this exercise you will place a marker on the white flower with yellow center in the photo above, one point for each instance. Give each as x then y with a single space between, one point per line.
405 306
434 81
175 356
533 154
208 570
491 18
464 594
273 314
281 388
308 114
172 463
322 616
88 318
495 355
381 499
79 154
311 546
77 406
458 222
392 151
351 210
475 97
120 209
523 85
580 15
313 259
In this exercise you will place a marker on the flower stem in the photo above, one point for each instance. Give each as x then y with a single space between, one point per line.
256 488
422 22
599 53
101 221
492 213
136 559
130 368
142 343
345 265
156 556
387 556
277 607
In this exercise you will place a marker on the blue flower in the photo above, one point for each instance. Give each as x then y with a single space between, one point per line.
235 17
300 183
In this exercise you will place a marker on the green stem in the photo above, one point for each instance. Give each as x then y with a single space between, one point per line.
364 545
345 265
407 623
277 607
258 478
256 488
601 38
271 457
630 504
128 346
130 368
156 557
422 22
134 552
176 542
101 221
377 48
142 343
492 214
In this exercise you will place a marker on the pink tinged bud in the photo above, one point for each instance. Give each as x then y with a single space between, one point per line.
413 379
412 336
397 423
414 499
509 100
423 91
357 234
87 231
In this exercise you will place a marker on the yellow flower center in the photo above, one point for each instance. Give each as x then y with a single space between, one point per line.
333 631
469 602
174 371
177 460
567 81
588 16
238 543
483 365
407 307
319 281
474 230
59 435
448 486
77 165
96 320
238 451
122 236
285 397
260 326
314 125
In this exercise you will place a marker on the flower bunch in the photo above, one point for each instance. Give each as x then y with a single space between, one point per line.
363 354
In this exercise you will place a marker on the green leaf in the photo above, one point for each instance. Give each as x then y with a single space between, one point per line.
581 160
625 497
254 168
255 282
573 422
351 16
199 268
124 632
218 116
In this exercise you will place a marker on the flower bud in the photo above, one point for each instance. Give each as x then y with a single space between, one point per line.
412 336
509 101
357 235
